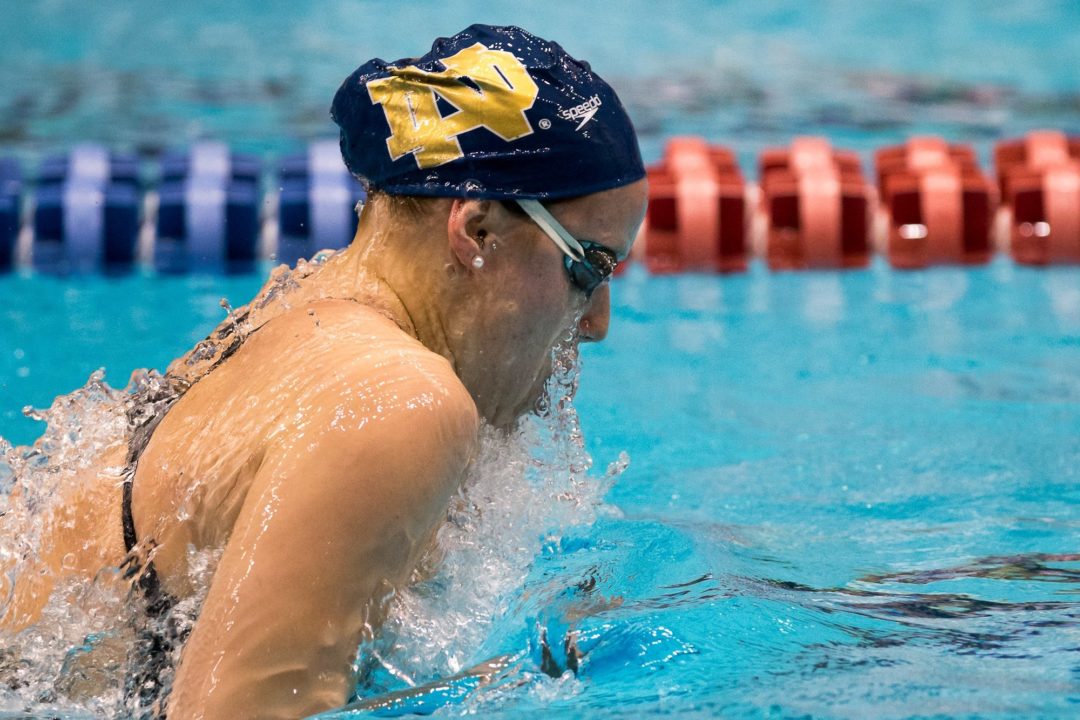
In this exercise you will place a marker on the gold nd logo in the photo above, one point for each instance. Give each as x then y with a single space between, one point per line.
497 97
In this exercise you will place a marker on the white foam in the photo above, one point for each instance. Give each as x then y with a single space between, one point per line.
526 488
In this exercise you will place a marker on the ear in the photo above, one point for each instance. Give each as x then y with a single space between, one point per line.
466 230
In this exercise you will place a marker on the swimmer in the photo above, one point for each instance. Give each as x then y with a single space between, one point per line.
317 437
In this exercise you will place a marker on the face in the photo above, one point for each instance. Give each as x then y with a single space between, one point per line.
529 303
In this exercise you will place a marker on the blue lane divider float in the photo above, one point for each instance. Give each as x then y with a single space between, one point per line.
88 207
10 206
208 211
317 201
87 212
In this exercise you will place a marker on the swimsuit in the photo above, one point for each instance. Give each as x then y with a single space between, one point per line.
158 634
146 411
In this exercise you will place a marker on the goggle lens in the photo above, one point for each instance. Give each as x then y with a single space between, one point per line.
587 263
589 273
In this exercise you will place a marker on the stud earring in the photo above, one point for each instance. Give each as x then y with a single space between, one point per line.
478 262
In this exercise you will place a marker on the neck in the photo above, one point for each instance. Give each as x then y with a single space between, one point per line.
391 267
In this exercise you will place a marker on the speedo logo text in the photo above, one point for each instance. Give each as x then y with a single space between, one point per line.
583 112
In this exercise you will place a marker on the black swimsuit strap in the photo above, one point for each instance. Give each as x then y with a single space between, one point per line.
126 518
158 602
157 642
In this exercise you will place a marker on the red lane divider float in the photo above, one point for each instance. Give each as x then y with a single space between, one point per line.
209 209
1039 176
697 210
938 204
816 205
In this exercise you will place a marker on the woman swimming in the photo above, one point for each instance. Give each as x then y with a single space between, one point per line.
317 438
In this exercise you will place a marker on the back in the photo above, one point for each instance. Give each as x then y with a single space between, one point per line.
321 366
321 457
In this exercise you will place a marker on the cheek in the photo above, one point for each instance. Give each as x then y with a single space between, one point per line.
548 306
544 309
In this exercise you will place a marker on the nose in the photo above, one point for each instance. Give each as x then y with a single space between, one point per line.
594 323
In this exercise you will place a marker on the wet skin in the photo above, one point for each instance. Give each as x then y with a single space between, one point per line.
322 456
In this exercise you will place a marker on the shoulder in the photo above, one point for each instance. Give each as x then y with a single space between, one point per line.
354 374
337 318
370 419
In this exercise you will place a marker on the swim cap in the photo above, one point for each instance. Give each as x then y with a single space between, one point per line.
493 112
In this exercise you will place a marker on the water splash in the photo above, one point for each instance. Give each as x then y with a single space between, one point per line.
443 637
75 654
70 658
525 491
74 645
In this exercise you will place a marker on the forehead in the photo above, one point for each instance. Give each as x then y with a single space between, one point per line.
610 218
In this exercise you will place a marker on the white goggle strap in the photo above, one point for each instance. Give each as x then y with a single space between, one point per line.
553 228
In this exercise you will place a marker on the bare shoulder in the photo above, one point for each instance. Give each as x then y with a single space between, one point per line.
331 388
369 435
350 370
374 434
320 346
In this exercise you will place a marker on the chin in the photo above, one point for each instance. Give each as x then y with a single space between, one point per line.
507 416
533 399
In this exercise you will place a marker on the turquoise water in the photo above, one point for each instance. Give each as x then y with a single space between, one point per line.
849 494
260 75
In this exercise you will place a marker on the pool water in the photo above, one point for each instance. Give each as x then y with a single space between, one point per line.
878 474
848 495
839 495
260 74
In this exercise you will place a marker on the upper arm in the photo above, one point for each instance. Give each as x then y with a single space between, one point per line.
336 516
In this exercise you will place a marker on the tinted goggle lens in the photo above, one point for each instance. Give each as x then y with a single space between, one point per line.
596 267
597 262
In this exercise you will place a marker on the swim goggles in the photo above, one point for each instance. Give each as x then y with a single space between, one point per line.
587 263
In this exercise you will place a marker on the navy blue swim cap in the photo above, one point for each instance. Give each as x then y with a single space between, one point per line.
493 112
